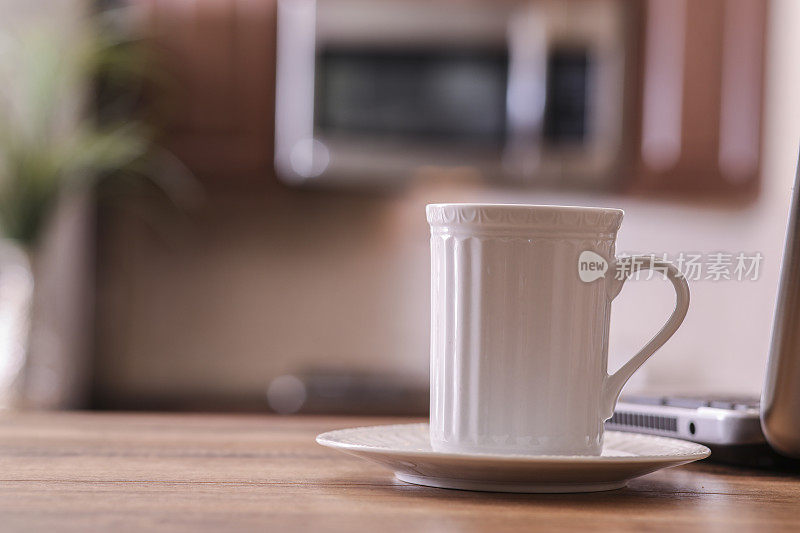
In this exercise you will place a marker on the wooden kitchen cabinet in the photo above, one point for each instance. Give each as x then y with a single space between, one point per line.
693 106
700 98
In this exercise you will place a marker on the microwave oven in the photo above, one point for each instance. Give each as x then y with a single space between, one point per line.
370 92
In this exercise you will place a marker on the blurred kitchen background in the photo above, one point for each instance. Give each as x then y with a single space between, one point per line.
219 204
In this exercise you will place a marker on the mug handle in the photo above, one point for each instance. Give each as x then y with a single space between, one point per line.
613 383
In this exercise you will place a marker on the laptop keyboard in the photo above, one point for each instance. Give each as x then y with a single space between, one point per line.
693 402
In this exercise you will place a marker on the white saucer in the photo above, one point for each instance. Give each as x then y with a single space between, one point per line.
406 450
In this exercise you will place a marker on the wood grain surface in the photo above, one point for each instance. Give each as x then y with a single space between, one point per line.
143 472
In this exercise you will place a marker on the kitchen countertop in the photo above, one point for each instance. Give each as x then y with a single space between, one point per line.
144 472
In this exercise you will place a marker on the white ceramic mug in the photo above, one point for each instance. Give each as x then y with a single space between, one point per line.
520 305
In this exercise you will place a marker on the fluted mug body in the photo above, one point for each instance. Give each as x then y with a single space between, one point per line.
519 341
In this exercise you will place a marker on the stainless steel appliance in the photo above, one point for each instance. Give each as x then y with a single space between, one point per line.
372 92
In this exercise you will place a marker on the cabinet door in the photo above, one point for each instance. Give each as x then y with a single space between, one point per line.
218 96
701 87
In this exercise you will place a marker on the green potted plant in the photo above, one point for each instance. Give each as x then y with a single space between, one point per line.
54 143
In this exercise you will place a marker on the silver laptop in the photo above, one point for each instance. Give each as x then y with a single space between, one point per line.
743 430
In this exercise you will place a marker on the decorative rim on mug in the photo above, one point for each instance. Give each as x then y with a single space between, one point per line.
589 220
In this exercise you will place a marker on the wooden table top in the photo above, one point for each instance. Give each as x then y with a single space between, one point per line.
144 472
